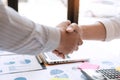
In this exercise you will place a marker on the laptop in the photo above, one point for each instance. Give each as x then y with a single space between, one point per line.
51 58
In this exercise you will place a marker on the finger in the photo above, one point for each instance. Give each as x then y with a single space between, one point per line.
76 48
65 23
71 52
68 22
80 42
73 27
61 55
57 53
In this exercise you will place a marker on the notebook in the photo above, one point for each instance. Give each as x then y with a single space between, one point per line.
51 58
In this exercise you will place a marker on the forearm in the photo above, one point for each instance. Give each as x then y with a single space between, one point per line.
93 32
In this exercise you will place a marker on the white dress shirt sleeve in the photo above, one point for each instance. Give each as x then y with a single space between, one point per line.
112 26
23 36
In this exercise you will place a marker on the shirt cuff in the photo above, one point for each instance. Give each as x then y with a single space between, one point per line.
53 39
109 29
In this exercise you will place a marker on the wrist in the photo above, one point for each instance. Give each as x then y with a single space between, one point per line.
61 42
81 31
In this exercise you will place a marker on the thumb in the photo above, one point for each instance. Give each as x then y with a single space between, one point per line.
73 27
69 29
64 24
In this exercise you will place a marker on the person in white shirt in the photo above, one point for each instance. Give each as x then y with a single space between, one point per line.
103 30
23 36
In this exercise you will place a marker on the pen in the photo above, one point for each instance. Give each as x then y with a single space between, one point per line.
85 74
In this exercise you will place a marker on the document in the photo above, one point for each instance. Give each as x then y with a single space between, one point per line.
56 72
19 63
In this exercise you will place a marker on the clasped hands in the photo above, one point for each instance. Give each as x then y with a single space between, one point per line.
70 38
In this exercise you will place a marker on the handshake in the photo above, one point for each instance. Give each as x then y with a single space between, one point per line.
70 38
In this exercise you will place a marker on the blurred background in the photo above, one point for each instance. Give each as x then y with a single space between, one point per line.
52 12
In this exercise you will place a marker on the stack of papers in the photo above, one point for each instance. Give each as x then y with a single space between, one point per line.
12 63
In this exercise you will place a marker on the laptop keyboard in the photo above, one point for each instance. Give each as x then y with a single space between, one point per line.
53 56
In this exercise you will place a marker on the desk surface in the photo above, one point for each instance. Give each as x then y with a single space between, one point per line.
104 54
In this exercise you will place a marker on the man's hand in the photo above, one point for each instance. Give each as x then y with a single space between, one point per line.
70 40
